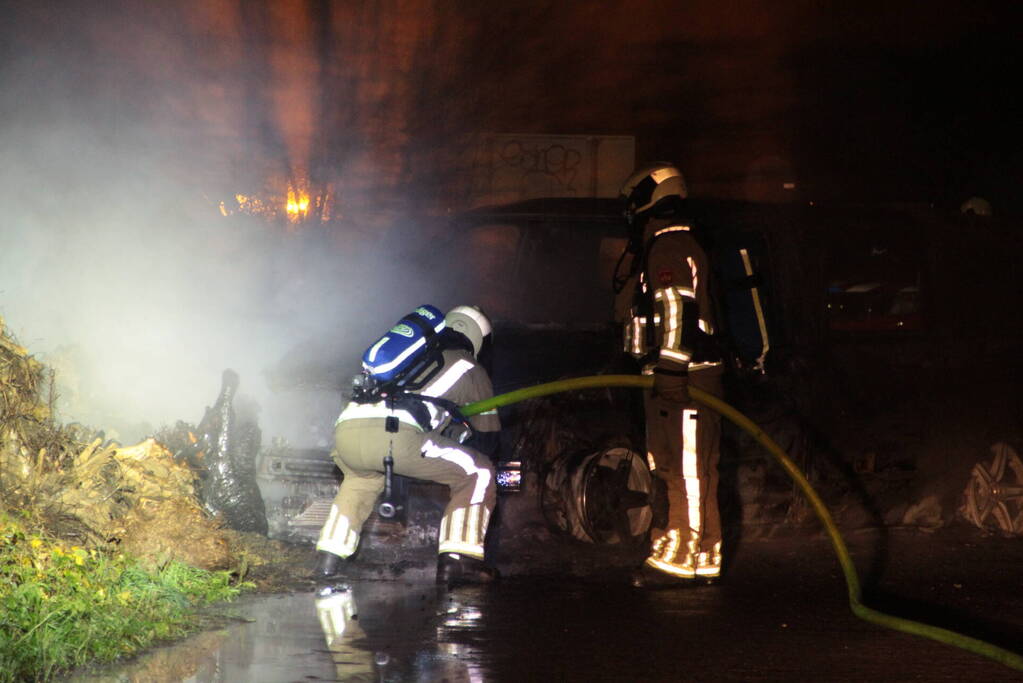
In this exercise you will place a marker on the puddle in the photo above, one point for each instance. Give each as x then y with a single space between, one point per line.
371 630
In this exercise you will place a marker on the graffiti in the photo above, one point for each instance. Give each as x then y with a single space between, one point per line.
509 167
555 164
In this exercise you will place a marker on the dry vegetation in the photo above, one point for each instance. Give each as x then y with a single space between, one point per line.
71 483
105 549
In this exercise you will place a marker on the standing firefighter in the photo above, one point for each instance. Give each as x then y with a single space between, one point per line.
405 408
666 308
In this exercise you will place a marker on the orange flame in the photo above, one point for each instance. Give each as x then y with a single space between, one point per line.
298 204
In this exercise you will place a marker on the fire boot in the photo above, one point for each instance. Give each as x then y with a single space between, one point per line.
648 577
328 566
456 570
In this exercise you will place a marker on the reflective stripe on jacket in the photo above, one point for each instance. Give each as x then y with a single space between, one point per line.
676 278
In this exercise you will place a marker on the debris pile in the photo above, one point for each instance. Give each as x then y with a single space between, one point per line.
71 481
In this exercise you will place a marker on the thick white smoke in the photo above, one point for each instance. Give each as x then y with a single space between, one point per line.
117 267
138 293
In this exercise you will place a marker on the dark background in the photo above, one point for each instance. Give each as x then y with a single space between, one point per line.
862 101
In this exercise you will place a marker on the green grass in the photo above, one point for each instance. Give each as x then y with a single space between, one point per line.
64 606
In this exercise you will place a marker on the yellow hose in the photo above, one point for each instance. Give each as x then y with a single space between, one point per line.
1010 659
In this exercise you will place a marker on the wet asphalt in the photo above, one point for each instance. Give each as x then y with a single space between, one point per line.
781 614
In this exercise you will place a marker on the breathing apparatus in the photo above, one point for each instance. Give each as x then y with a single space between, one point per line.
406 359
403 361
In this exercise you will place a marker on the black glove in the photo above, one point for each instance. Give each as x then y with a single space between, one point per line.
457 431
486 443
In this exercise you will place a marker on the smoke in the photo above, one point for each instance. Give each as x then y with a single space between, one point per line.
122 129
137 293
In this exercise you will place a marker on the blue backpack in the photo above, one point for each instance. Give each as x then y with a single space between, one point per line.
404 347
403 361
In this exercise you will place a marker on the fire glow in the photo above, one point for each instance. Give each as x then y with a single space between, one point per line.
296 206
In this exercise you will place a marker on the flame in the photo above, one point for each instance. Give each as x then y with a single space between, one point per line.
298 204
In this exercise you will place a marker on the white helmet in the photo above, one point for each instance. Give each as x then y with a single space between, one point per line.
978 206
651 184
470 321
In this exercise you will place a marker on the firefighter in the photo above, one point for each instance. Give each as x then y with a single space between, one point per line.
426 441
667 313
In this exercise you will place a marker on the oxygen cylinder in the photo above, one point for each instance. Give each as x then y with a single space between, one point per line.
398 350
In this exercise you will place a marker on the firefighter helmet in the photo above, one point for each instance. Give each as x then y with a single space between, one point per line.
471 322
976 206
652 185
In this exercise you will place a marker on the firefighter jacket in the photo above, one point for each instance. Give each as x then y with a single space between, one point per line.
666 308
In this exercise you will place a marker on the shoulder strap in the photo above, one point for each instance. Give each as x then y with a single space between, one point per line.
643 298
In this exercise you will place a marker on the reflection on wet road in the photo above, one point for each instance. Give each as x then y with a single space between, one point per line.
379 631
782 615
274 638
395 631
367 631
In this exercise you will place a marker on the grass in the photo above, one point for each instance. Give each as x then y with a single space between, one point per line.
64 606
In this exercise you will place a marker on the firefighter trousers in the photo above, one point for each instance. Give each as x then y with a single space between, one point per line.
360 448
683 445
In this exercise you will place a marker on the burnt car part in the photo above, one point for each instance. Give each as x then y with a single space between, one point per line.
993 498
603 497
298 485
229 448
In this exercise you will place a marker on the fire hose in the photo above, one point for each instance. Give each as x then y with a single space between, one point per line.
852 582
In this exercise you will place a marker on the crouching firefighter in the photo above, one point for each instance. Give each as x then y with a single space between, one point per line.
667 314
404 409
